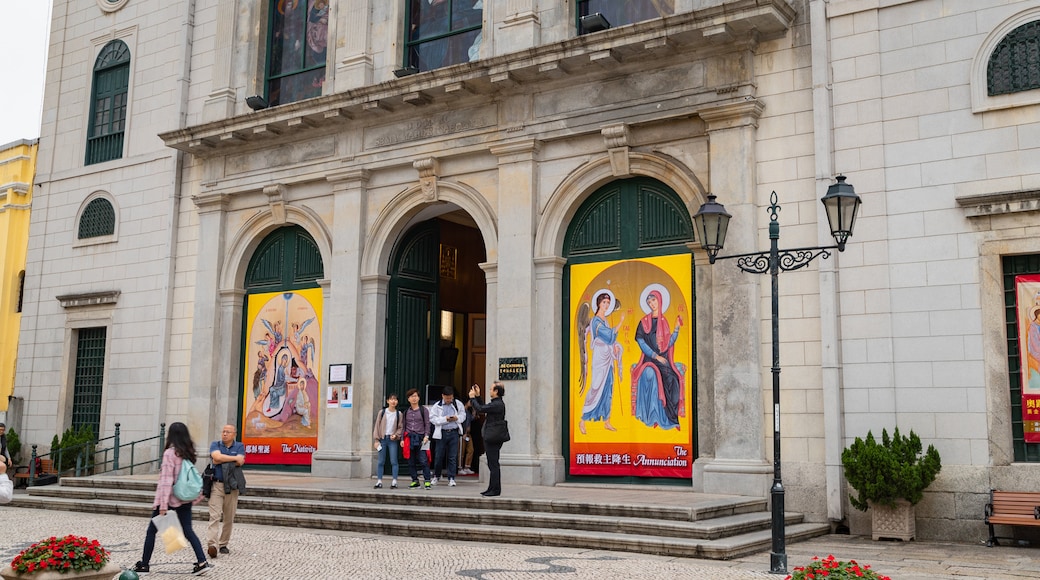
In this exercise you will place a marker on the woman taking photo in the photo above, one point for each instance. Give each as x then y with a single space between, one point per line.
496 414
179 447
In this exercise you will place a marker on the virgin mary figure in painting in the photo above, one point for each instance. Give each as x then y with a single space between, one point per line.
658 398
606 356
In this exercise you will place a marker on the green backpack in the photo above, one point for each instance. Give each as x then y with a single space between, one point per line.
189 483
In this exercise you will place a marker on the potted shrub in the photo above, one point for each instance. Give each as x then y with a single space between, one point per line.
890 477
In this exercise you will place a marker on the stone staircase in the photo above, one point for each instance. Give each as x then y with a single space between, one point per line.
714 527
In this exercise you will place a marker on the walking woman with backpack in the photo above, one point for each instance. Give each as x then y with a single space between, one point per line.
179 447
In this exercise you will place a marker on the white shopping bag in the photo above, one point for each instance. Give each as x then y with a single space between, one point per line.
170 531
6 489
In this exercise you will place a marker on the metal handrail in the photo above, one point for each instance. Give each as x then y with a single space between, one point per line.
89 458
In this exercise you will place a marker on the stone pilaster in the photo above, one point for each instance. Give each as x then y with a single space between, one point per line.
547 350
353 59
220 104
516 28
209 387
736 435
343 437
513 328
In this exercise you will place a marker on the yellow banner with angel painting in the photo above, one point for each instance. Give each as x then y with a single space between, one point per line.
631 377
280 385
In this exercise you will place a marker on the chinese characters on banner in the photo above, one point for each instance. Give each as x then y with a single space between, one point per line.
280 391
630 368
1027 295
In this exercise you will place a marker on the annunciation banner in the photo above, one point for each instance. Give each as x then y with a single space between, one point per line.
630 368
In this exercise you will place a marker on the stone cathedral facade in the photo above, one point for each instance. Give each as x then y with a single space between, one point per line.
275 213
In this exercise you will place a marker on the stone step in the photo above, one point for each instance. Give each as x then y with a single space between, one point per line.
491 511
690 547
703 510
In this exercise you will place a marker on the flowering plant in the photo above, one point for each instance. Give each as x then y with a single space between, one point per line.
831 569
71 553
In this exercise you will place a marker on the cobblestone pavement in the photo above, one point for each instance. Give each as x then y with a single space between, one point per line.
266 552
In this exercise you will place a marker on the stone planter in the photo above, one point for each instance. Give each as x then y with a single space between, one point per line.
110 571
898 523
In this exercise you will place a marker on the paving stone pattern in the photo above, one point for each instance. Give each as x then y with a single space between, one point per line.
267 552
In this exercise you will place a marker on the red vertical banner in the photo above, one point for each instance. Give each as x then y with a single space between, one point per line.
631 376
280 387
1027 296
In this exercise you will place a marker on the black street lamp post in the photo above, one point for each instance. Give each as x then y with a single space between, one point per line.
712 221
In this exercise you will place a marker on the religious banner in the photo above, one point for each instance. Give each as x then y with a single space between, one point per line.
1027 295
280 391
631 381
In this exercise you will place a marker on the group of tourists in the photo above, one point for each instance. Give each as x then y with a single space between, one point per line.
448 423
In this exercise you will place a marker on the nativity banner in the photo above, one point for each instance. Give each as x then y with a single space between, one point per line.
1027 293
280 388
630 376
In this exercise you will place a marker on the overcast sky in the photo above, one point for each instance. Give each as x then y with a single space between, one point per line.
23 55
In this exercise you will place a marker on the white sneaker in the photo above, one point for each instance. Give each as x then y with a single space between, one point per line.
434 481
466 471
451 483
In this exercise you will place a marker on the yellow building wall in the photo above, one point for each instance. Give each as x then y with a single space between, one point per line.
17 169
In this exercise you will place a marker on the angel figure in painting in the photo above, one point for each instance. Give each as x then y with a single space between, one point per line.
658 399
606 358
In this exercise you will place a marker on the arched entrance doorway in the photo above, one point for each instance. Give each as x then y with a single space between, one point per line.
437 306
629 368
282 318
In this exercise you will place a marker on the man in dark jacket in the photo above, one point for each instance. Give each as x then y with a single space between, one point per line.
228 456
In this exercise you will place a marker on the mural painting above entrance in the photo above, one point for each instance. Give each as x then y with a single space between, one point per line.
629 377
280 395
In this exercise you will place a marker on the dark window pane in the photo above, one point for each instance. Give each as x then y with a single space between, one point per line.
297 48
443 32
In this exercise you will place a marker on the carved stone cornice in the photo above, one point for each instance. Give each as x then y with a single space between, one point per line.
88 299
428 168
211 202
276 200
995 204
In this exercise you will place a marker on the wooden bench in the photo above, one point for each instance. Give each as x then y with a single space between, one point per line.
21 473
1011 508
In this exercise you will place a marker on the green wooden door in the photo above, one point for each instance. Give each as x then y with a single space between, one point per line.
413 301
624 220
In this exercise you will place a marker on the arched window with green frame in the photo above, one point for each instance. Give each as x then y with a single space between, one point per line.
108 103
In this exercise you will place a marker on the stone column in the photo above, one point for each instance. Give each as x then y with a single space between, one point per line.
220 104
228 358
208 390
513 326
344 433
739 465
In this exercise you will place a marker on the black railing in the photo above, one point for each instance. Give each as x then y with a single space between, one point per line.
92 459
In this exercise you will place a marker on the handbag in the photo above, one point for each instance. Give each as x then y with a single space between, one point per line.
207 481
496 432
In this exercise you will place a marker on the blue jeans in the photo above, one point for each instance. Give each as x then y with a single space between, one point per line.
449 444
391 448
184 517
